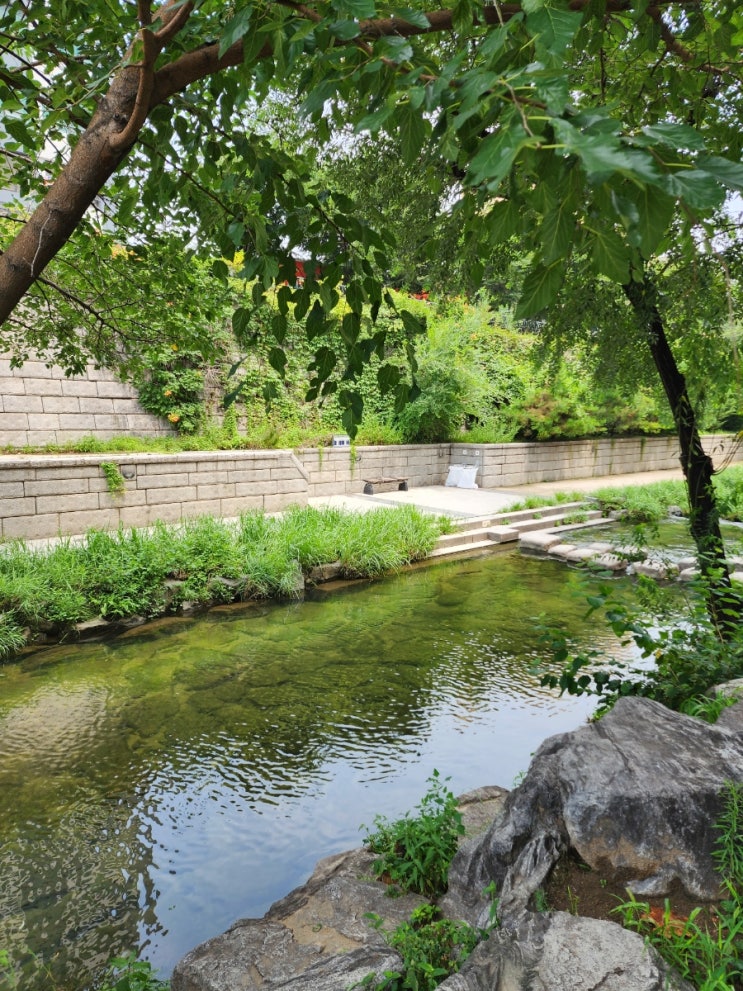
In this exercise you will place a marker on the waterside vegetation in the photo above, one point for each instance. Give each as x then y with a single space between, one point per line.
130 575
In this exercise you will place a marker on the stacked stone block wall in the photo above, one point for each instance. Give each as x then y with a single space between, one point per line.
42 496
46 495
40 405
508 465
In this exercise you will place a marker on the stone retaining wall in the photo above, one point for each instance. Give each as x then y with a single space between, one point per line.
45 495
506 465
40 405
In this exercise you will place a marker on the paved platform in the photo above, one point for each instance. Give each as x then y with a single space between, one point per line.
451 501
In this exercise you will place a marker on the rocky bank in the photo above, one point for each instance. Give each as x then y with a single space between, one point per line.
634 796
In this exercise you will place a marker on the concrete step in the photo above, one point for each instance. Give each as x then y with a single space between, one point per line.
543 513
555 521
452 550
462 537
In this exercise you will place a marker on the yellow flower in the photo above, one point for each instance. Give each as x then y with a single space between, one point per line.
173 417
167 392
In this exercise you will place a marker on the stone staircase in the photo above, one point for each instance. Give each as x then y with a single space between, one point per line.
487 533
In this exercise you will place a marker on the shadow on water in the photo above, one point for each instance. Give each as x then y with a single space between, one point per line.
157 787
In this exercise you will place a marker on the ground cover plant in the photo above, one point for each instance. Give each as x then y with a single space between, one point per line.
432 948
415 851
147 573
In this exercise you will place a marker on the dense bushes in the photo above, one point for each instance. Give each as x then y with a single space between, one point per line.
206 560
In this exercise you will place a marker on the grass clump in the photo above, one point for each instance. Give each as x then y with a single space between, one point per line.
148 573
415 851
432 948
705 948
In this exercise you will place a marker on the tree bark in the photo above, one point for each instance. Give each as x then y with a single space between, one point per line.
696 464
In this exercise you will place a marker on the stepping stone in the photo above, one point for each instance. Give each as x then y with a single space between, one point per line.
561 550
610 562
503 534
539 541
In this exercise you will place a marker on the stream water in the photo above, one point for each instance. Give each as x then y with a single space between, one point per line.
157 787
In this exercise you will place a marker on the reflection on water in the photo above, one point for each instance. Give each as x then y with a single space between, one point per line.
156 788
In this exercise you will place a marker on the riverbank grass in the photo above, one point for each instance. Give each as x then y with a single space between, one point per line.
153 572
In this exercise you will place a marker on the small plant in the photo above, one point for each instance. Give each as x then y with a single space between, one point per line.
541 904
415 851
129 974
432 948
708 709
114 478
8 977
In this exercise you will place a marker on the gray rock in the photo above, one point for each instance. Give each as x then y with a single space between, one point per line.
321 921
561 550
539 540
635 795
561 952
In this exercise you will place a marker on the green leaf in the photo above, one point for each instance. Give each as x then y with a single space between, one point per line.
654 213
602 155
413 325
504 220
412 129
415 17
498 152
610 255
699 189
277 360
729 173
279 327
553 29
355 8
539 289
558 230
220 270
324 362
679 136
235 29
18 131
345 30
388 377
241 325
397 50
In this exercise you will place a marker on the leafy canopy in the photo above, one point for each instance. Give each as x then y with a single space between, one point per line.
595 129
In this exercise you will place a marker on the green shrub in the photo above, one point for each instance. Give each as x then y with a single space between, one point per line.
432 949
415 851
174 388
688 657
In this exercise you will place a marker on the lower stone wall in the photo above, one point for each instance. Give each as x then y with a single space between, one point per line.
506 465
40 405
47 495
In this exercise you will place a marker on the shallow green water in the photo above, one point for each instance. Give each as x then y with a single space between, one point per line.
155 788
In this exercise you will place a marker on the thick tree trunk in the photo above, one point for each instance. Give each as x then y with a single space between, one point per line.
92 162
696 464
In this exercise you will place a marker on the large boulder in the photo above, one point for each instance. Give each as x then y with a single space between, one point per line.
635 795
561 952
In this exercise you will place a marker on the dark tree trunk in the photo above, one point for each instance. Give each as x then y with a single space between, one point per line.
696 464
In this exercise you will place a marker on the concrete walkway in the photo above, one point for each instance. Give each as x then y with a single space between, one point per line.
449 501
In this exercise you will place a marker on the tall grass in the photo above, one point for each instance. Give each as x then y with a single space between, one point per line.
151 572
